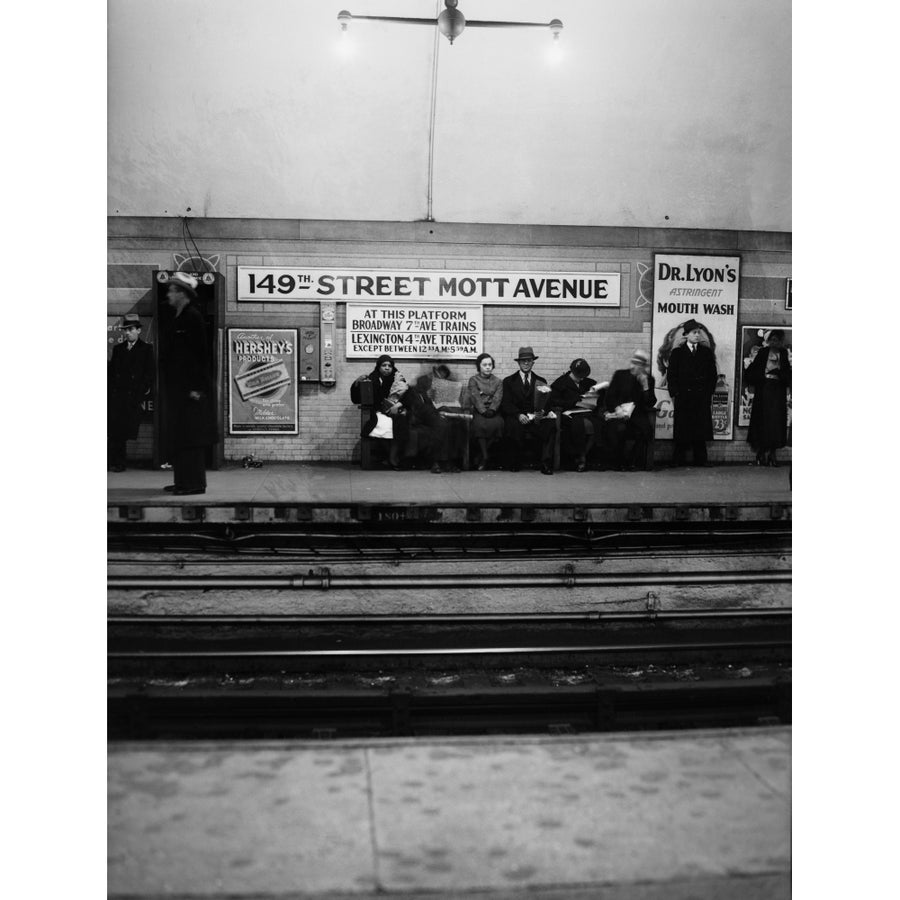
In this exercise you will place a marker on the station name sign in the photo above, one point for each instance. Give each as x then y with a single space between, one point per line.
310 285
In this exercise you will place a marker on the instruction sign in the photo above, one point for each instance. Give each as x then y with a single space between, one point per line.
424 330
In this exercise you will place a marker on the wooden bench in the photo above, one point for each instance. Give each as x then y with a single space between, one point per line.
368 456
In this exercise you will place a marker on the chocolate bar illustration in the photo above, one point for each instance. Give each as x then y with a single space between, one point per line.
261 380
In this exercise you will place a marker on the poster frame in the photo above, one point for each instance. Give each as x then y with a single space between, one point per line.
732 418
268 432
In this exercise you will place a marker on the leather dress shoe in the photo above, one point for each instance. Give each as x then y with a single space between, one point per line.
546 470
436 469
183 492
170 488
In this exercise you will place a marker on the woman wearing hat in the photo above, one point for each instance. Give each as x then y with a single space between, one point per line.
631 388
189 410
579 428
770 376
484 394
390 391
691 382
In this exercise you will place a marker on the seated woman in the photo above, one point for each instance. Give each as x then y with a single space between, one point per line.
484 393
390 391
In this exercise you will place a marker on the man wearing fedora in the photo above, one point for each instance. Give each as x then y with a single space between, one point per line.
129 382
189 410
634 385
691 379
522 411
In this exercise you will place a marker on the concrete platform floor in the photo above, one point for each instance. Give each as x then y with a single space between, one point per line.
329 483
644 816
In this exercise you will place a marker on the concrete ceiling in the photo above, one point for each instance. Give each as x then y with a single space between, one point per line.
660 113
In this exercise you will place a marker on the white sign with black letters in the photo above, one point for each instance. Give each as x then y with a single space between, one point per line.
422 330
295 284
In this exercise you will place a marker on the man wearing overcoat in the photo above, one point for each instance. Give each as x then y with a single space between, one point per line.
632 385
129 381
521 417
190 409
691 382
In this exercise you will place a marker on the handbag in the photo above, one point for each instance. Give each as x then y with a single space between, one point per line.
384 427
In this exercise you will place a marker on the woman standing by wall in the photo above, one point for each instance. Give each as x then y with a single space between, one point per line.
484 393
770 376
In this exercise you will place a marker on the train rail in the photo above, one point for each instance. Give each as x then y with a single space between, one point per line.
186 644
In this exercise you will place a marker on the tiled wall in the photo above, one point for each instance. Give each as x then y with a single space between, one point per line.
329 423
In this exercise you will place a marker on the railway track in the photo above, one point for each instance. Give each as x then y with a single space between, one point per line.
272 632
184 645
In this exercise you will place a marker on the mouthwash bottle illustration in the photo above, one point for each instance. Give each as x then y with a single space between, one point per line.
720 406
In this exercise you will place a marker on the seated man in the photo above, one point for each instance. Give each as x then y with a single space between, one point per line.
578 421
630 412
522 410
446 394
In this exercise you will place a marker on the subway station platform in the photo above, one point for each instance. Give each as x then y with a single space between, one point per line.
649 816
334 493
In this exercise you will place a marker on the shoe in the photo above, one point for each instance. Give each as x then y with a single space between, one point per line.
546 470
513 469
183 492
481 467
454 469
171 488
117 468
436 469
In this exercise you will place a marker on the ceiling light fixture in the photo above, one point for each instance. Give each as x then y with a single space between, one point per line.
451 22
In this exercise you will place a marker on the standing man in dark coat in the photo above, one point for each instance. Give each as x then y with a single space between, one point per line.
128 382
190 412
691 381
632 385
520 418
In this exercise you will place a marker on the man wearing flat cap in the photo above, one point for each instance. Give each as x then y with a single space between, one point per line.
128 383
578 428
189 410
691 380
522 409
630 391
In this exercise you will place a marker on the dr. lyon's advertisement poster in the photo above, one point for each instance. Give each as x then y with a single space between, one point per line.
704 288
262 381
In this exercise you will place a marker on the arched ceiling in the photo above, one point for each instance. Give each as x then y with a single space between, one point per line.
660 113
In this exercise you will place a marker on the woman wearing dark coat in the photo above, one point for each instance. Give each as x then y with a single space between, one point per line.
484 394
691 382
769 374
190 410
390 396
